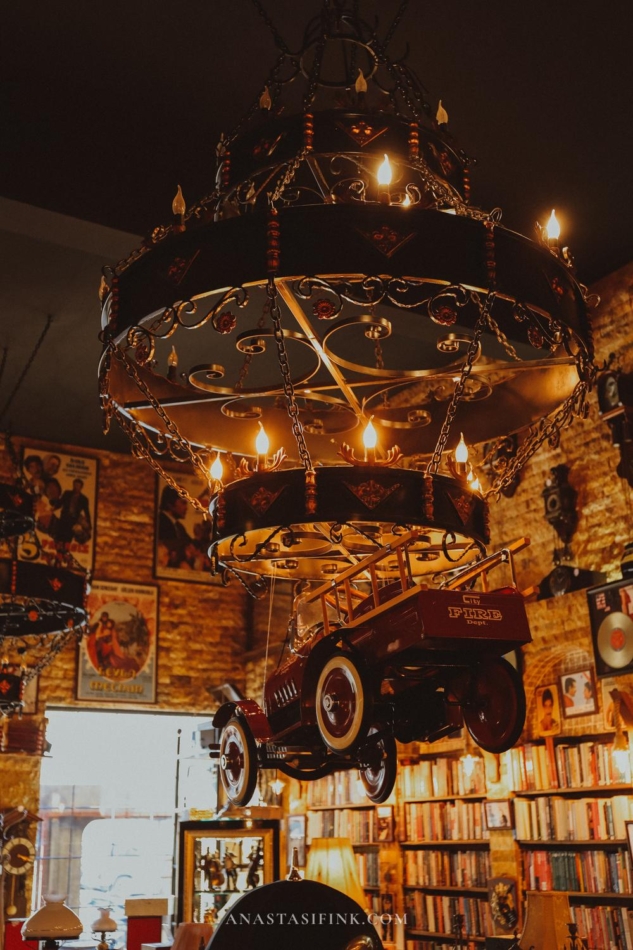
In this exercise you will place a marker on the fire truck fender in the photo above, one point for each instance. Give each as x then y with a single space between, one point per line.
251 712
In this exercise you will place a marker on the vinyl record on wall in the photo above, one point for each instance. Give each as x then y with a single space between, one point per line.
611 613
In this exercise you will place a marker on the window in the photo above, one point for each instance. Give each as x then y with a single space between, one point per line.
108 803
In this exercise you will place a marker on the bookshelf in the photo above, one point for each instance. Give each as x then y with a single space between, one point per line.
446 850
338 807
570 808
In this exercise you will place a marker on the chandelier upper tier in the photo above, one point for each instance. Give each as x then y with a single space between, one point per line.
338 294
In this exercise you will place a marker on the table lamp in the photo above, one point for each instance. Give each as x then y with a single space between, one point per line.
332 861
52 923
546 917
104 925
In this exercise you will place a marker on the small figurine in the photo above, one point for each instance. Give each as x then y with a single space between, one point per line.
230 868
212 870
255 859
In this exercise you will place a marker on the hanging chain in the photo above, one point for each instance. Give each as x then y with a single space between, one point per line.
395 23
471 356
502 339
132 431
279 42
289 390
547 430
291 170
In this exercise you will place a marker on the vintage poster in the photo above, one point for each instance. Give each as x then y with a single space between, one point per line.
117 656
183 534
65 489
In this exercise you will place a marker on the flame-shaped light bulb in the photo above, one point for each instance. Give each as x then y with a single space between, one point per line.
384 174
217 470
262 442
553 228
461 450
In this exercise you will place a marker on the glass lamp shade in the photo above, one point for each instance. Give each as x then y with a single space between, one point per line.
53 921
331 861
546 919
104 924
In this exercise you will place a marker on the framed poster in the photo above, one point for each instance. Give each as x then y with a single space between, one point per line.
498 814
65 489
117 656
504 908
579 693
611 614
182 534
548 718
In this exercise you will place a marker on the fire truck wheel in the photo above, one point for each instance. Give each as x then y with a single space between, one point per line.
494 710
238 761
343 704
380 777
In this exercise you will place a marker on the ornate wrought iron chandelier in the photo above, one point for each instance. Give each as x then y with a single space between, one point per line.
316 334
41 599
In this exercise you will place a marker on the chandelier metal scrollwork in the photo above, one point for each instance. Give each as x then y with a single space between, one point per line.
337 275
42 599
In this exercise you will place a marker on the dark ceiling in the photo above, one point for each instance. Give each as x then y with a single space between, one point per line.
107 106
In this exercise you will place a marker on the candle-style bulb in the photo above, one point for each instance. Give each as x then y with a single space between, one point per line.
217 470
461 450
406 201
384 174
553 227
178 205
475 485
172 359
262 442
370 437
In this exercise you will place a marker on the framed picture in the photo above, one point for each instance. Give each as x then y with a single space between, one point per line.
502 897
65 489
384 823
182 534
612 693
117 656
611 615
296 838
499 814
548 718
579 693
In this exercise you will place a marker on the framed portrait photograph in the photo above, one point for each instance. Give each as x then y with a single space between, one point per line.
384 823
182 534
579 693
117 656
65 490
296 838
548 716
499 814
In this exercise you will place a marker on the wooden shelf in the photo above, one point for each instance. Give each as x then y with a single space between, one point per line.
370 887
536 844
463 844
446 798
334 807
446 888
445 938
607 790
604 897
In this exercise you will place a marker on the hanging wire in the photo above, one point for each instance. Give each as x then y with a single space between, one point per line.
26 369
270 620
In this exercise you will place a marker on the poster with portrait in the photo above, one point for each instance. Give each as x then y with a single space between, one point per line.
117 656
182 534
548 717
578 690
65 490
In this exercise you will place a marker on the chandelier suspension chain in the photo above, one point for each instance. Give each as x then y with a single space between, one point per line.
289 391
279 41
471 356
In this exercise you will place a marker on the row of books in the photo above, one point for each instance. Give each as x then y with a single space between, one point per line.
435 913
434 778
448 821
552 818
581 765
368 868
605 926
593 872
447 868
359 825
341 788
